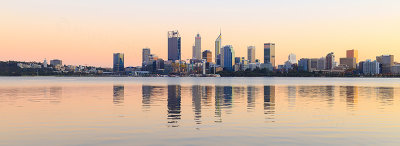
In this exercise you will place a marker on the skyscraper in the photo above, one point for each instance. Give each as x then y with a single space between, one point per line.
330 61
228 57
118 64
174 46
251 54
269 53
207 55
145 56
217 49
197 47
352 54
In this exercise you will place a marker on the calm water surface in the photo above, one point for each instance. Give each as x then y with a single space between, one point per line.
199 111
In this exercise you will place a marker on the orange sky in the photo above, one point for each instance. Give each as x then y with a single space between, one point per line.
87 33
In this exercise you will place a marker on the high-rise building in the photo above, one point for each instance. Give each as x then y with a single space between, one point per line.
352 54
269 53
197 47
387 62
349 62
228 57
304 64
118 64
55 62
217 49
174 46
251 54
207 55
371 67
292 58
330 61
321 64
145 56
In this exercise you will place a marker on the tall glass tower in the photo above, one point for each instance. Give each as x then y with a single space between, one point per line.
269 53
118 65
174 46
217 49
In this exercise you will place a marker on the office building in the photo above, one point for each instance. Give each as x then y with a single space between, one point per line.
45 63
349 62
174 46
228 57
269 53
56 62
371 68
330 61
321 64
304 64
207 55
197 47
217 49
352 54
251 54
145 56
118 62
387 61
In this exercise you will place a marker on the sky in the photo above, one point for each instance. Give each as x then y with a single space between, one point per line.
88 32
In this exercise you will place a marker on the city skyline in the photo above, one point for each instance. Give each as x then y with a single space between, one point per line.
57 32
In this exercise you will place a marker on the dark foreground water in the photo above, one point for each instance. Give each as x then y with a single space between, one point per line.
199 111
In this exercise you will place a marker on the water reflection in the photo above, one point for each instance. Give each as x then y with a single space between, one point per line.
269 103
251 98
118 94
196 102
174 105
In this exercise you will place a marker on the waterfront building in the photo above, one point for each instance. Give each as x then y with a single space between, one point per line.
228 57
269 53
118 63
349 62
145 56
371 67
174 46
304 64
387 62
197 47
251 54
207 55
330 61
56 62
396 69
321 64
238 60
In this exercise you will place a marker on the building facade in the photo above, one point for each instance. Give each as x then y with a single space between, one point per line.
292 58
371 67
118 62
145 55
349 62
387 62
251 54
174 46
269 53
228 57
352 54
207 55
330 61
217 49
56 62
197 47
